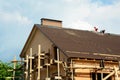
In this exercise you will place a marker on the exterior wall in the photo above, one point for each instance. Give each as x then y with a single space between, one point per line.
63 57
53 67
83 69
47 47
39 38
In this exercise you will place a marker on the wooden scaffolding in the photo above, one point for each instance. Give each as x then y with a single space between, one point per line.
68 67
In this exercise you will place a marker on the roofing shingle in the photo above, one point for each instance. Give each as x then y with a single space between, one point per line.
86 44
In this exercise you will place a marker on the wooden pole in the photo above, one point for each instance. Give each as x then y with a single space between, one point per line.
26 72
39 62
58 57
72 69
96 77
112 73
105 78
31 70
116 73
14 64
101 75
47 74
26 68
58 77
30 64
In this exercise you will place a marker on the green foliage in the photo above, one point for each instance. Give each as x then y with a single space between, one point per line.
4 67
6 71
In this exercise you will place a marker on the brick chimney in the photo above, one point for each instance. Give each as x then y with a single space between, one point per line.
51 22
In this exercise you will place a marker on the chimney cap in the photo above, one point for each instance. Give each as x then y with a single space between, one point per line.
51 22
50 19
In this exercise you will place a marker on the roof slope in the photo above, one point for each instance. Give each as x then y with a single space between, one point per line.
78 43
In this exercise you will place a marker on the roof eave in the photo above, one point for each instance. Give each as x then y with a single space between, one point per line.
74 54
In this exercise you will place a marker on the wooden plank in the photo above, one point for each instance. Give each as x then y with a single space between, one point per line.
39 62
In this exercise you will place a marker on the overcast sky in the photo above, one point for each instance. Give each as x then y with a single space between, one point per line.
17 18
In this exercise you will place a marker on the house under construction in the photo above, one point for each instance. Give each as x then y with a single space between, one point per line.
55 53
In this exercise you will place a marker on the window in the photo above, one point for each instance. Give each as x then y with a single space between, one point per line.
42 62
97 76
55 53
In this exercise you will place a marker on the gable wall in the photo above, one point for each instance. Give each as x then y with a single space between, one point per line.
46 45
39 38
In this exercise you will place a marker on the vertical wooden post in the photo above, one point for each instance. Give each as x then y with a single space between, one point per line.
26 72
47 75
31 70
14 64
119 64
96 77
58 77
39 61
66 69
116 74
101 75
31 64
47 72
58 58
72 69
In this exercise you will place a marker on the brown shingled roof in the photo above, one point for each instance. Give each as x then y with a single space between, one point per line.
85 44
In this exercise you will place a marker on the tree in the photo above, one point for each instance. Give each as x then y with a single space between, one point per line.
6 71
4 67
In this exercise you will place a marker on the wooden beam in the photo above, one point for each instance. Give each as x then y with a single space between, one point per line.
72 70
14 64
31 70
96 77
116 73
39 62
58 63
105 78
26 71
112 73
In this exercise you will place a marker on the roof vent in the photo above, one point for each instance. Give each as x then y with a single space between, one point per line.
51 22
